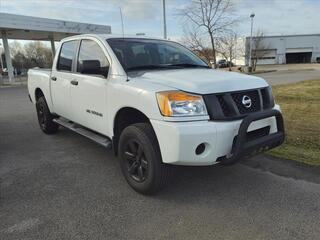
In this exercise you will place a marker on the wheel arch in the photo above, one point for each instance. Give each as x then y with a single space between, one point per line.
124 117
38 93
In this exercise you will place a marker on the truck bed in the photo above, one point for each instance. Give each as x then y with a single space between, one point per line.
39 78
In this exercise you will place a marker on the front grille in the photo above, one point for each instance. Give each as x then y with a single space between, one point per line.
267 98
255 101
224 106
233 105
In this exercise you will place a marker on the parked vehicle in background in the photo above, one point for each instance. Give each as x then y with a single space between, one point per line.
222 63
156 104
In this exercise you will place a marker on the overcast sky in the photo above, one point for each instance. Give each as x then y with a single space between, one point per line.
274 17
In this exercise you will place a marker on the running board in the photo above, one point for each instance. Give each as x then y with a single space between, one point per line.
96 137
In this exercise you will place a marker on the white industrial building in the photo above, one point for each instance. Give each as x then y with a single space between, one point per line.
43 29
286 49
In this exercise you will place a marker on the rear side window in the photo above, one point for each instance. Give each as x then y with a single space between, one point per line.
67 52
92 59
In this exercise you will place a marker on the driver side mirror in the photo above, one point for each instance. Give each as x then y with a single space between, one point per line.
93 67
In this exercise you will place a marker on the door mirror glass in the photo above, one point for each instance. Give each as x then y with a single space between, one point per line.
93 67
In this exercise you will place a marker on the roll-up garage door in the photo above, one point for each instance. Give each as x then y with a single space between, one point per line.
298 55
267 56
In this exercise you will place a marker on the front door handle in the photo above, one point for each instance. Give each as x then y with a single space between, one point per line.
74 82
53 78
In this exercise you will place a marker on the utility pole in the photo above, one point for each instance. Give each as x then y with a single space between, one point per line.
250 49
164 19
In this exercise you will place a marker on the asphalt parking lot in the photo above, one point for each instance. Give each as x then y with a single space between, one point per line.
66 187
290 76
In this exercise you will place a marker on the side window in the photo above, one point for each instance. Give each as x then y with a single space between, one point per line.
66 56
91 59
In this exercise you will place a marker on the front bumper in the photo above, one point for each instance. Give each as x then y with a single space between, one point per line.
243 147
224 141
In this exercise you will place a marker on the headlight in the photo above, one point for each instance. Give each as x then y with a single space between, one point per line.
177 103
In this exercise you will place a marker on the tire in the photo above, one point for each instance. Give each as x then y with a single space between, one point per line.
140 159
45 117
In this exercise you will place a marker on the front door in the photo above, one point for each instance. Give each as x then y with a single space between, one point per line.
89 87
60 80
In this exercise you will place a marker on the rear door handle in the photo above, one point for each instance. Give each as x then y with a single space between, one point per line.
74 82
53 78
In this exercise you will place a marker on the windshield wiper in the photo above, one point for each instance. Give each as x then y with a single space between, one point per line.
163 66
142 67
188 65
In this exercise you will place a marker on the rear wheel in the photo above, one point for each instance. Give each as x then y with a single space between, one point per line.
140 159
45 117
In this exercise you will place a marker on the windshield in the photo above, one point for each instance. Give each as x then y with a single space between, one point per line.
140 54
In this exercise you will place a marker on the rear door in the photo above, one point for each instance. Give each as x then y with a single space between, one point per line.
61 78
89 93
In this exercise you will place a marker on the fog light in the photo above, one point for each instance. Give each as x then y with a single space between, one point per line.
200 149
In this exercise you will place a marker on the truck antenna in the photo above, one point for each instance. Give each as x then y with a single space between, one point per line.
121 22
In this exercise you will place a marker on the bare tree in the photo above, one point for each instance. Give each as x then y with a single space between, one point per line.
38 54
15 48
212 17
228 47
195 42
33 54
259 49
18 55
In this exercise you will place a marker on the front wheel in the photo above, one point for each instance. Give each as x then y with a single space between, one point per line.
140 159
45 118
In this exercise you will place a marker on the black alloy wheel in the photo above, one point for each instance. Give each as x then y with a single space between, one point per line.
140 159
45 118
41 116
137 164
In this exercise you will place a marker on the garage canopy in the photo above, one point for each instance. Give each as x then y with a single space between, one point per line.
33 28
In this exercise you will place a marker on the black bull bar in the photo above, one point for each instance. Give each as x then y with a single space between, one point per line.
242 147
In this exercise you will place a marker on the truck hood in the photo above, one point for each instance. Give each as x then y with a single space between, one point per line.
201 81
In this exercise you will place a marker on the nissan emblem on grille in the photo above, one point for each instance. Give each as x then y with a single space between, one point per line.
246 101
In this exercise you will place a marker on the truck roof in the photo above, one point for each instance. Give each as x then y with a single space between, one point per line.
109 36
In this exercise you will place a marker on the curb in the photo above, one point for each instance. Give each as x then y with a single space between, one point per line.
284 168
261 72
22 84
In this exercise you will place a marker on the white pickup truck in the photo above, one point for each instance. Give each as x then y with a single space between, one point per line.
155 103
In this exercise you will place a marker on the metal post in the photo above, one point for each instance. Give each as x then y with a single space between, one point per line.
164 20
250 51
8 57
1 61
53 48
